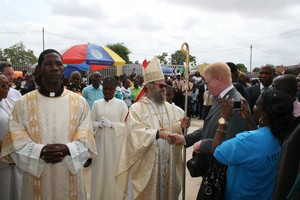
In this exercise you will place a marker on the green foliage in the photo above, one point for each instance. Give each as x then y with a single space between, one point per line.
18 55
256 69
241 67
2 58
178 59
121 50
163 57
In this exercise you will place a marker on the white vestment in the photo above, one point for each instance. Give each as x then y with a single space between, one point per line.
108 141
178 109
37 120
10 175
148 168
14 94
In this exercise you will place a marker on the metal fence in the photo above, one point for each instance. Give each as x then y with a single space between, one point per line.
111 71
23 68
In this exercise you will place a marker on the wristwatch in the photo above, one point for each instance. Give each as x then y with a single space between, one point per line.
222 121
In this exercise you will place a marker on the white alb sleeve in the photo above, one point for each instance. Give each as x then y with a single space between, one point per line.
28 159
79 155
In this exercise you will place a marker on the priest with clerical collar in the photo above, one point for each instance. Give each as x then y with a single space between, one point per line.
50 136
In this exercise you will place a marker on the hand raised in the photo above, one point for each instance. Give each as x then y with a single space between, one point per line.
226 107
185 122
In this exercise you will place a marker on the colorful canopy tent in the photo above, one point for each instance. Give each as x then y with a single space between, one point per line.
91 57
69 69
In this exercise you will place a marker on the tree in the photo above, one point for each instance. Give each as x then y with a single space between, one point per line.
162 58
18 55
178 59
241 67
256 69
121 50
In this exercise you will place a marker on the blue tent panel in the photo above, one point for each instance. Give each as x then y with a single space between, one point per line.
69 69
167 70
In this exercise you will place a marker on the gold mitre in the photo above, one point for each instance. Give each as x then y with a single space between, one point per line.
153 71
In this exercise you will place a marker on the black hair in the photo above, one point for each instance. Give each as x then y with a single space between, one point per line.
117 78
169 89
47 51
110 81
286 83
271 67
3 65
279 107
124 81
232 67
242 90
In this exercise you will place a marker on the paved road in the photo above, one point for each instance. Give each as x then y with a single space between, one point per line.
192 184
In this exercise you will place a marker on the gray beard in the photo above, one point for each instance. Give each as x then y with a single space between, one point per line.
158 98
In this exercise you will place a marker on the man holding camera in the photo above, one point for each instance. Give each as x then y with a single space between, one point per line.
218 80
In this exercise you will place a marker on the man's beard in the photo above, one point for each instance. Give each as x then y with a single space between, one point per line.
158 97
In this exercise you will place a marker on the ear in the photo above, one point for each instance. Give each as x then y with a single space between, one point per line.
218 79
264 114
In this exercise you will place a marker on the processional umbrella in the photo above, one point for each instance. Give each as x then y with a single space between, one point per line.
93 57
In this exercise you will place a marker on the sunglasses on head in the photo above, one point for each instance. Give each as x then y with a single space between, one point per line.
4 85
161 86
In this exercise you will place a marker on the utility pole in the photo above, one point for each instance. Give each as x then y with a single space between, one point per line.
251 58
43 32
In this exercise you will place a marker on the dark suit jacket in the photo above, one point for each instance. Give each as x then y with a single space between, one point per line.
254 92
201 91
298 96
288 168
207 133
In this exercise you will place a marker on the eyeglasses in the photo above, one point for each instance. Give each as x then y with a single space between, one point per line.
207 82
4 85
161 86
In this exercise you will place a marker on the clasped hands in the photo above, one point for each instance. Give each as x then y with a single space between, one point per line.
54 153
105 122
173 138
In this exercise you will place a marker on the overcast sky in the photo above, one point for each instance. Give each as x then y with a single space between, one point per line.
216 30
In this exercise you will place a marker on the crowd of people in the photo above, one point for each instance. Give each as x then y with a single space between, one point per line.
121 137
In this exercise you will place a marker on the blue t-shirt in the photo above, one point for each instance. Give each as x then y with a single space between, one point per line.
91 94
252 158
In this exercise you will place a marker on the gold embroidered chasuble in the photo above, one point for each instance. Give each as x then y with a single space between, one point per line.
149 168
37 119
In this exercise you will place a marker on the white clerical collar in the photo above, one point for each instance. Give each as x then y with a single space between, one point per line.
222 94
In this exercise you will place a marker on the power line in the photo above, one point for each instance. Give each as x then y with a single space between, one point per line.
157 51
65 36
17 32
277 35
221 50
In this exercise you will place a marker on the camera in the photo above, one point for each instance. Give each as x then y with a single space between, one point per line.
237 105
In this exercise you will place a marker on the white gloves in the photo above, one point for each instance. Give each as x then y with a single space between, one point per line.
104 122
